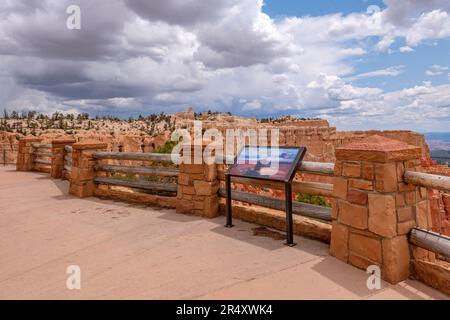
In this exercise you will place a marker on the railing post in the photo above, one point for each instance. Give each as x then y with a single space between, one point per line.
198 187
25 157
58 154
375 209
83 174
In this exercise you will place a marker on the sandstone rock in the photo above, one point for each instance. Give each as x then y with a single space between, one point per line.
340 188
357 197
368 170
184 206
360 262
405 227
360 184
205 188
396 259
351 169
183 179
399 200
405 214
436 275
353 215
367 247
339 242
277 219
422 213
410 198
382 215
386 177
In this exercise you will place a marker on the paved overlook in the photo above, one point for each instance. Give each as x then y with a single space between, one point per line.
137 252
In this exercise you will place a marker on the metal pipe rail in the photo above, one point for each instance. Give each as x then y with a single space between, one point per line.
427 180
312 188
138 156
300 208
42 161
431 241
146 185
41 145
42 153
326 168
165 172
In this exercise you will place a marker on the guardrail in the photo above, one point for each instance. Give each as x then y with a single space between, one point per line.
300 208
41 158
427 180
67 162
138 156
430 240
155 171
7 153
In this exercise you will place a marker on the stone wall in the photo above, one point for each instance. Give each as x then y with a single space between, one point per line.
375 209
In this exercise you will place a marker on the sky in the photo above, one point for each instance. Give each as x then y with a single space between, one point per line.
360 64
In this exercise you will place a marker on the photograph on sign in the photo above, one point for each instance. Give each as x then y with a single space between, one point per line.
274 163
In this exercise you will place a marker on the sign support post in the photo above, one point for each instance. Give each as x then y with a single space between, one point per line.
228 204
289 223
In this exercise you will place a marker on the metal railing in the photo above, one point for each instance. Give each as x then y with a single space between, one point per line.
41 156
158 174
7 153
431 241
426 239
427 180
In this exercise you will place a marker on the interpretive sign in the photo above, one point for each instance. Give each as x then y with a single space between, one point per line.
267 163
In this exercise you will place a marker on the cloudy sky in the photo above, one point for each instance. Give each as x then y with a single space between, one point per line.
358 63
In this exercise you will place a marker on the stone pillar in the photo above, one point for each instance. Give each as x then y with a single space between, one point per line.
83 174
375 209
25 157
58 154
198 188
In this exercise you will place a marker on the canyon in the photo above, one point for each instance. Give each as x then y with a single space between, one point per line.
148 134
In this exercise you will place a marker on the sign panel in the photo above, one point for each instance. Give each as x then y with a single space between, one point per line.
268 163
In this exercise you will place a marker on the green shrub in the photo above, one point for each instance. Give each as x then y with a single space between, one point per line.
167 147
317 200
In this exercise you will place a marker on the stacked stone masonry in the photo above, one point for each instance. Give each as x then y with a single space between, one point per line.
25 158
82 177
375 209
58 153
198 187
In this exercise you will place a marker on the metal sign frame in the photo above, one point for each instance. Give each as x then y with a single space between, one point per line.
287 190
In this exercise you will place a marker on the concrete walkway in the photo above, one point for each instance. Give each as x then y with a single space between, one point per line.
132 252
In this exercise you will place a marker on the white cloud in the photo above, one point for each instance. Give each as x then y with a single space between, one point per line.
406 49
436 70
228 55
251 106
422 107
387 72
430 25
385 43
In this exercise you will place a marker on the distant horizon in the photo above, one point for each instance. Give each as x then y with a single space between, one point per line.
136 116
